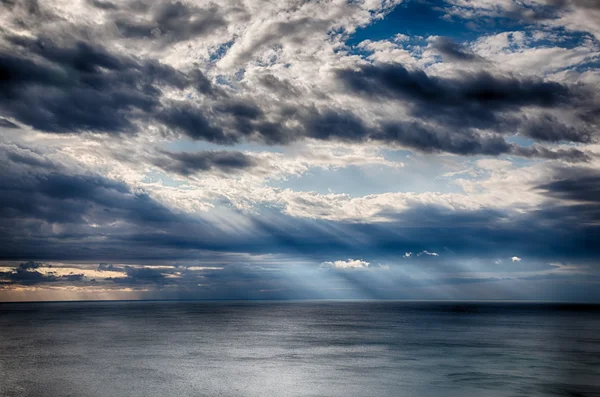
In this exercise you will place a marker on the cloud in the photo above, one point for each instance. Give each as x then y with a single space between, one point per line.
164 22
29 265
27 274
276 32
108 267
192 122
515 259
187 163
105 106
7 123
462 106
46 193
584 4
40 195
474 99
140 275
453 51
112 93
550 129
576 184
346 265
574 15
570 155
427 139
103 92
103 5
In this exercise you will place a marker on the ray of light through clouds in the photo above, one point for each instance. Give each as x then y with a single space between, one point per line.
241 149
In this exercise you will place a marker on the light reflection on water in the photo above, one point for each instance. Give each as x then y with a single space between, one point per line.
299 349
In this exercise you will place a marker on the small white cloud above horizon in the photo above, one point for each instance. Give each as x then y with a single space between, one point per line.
348 264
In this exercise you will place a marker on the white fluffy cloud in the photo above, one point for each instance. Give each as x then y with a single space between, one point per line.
347 264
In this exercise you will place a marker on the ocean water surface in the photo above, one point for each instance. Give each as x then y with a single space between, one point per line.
102 349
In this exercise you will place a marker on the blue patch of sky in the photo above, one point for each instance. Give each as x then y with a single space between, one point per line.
230 81
587 66
420 19
224 80
220 51
358 181
520 140
520 162
426 18
527 142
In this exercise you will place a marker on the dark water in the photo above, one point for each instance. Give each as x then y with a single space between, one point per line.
299 349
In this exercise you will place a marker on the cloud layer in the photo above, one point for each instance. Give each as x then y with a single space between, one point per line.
198 149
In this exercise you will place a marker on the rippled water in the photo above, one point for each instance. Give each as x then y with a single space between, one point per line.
299 349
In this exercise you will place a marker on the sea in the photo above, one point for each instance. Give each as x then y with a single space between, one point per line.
299 348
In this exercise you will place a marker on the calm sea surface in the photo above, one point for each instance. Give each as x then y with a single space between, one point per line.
299 349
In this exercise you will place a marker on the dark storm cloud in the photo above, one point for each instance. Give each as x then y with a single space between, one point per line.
577 184
228 121
454 51
7 123
45 208
33 187
82 56
26 277
460 107
332 124
548 128
243 115
571 155
427 139
278 86
190 120
188 163
140 275
573 233
343 125
25 274
108 267
103 5
24 156
335 124
81 87
166 22
29 265
472 98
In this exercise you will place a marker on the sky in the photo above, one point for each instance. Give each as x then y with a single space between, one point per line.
294 149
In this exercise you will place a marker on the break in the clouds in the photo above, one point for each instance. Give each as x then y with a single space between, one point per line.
243 149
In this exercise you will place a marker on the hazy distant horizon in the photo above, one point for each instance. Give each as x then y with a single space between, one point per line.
324 300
